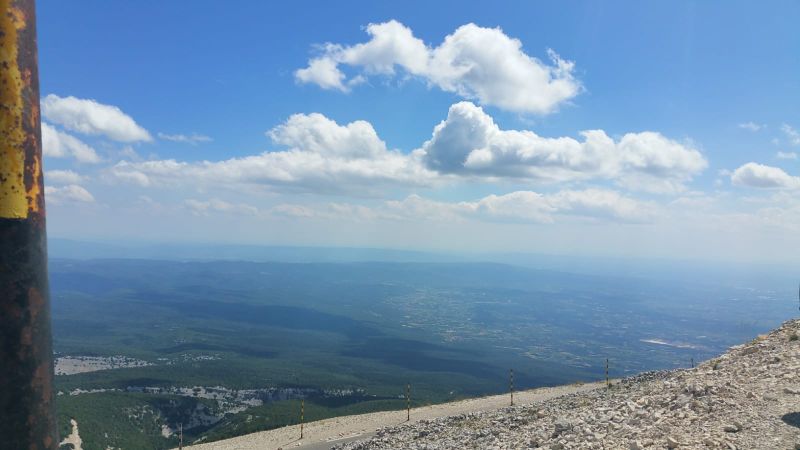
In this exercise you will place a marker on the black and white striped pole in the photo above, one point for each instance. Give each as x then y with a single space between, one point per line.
408 402
302 415
511 385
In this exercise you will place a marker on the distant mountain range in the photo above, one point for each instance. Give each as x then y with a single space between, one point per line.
715 272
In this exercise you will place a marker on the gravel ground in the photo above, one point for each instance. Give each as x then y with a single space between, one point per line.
748 398
326 433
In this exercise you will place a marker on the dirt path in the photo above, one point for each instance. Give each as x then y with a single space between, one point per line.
74 438
335 430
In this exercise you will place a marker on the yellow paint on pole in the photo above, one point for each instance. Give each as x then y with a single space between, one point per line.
13 195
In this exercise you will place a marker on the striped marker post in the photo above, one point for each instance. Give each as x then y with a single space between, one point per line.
408 402
608 383
302 415
511 385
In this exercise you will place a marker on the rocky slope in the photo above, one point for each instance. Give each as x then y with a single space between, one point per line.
748 398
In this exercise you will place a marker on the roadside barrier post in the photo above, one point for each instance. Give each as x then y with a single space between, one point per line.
408 402
511 385
302 415
608 383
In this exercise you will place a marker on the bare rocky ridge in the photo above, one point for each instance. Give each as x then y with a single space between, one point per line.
322 434
748 398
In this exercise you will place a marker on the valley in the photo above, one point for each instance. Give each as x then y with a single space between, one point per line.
228 348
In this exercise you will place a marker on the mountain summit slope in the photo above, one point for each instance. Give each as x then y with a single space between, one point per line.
748 398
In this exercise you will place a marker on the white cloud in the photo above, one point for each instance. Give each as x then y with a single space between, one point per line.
355 212
761 176
316 133
62 177
791 134
203 208
468 142
57 144
473 62
751 126
93 118
69 193
134 173
289 210
192 139
324 73
129 153
786 155
603 204
516 207
523 206
535 207
322 156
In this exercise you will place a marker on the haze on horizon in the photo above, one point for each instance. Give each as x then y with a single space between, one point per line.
663 131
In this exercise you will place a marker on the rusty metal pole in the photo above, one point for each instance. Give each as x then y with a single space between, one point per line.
27 413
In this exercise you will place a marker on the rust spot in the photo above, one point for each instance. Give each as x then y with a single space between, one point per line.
17 16
33 180
26 341
36 302
13 195
41 381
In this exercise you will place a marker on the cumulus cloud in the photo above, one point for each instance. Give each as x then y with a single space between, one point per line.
90 117
321 156
751 126
324 156
786 155
68 193
204 207
62 177
474 62
469 142
192 139
761 176
57 144
315 133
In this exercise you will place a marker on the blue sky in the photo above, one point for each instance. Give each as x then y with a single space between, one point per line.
695 153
